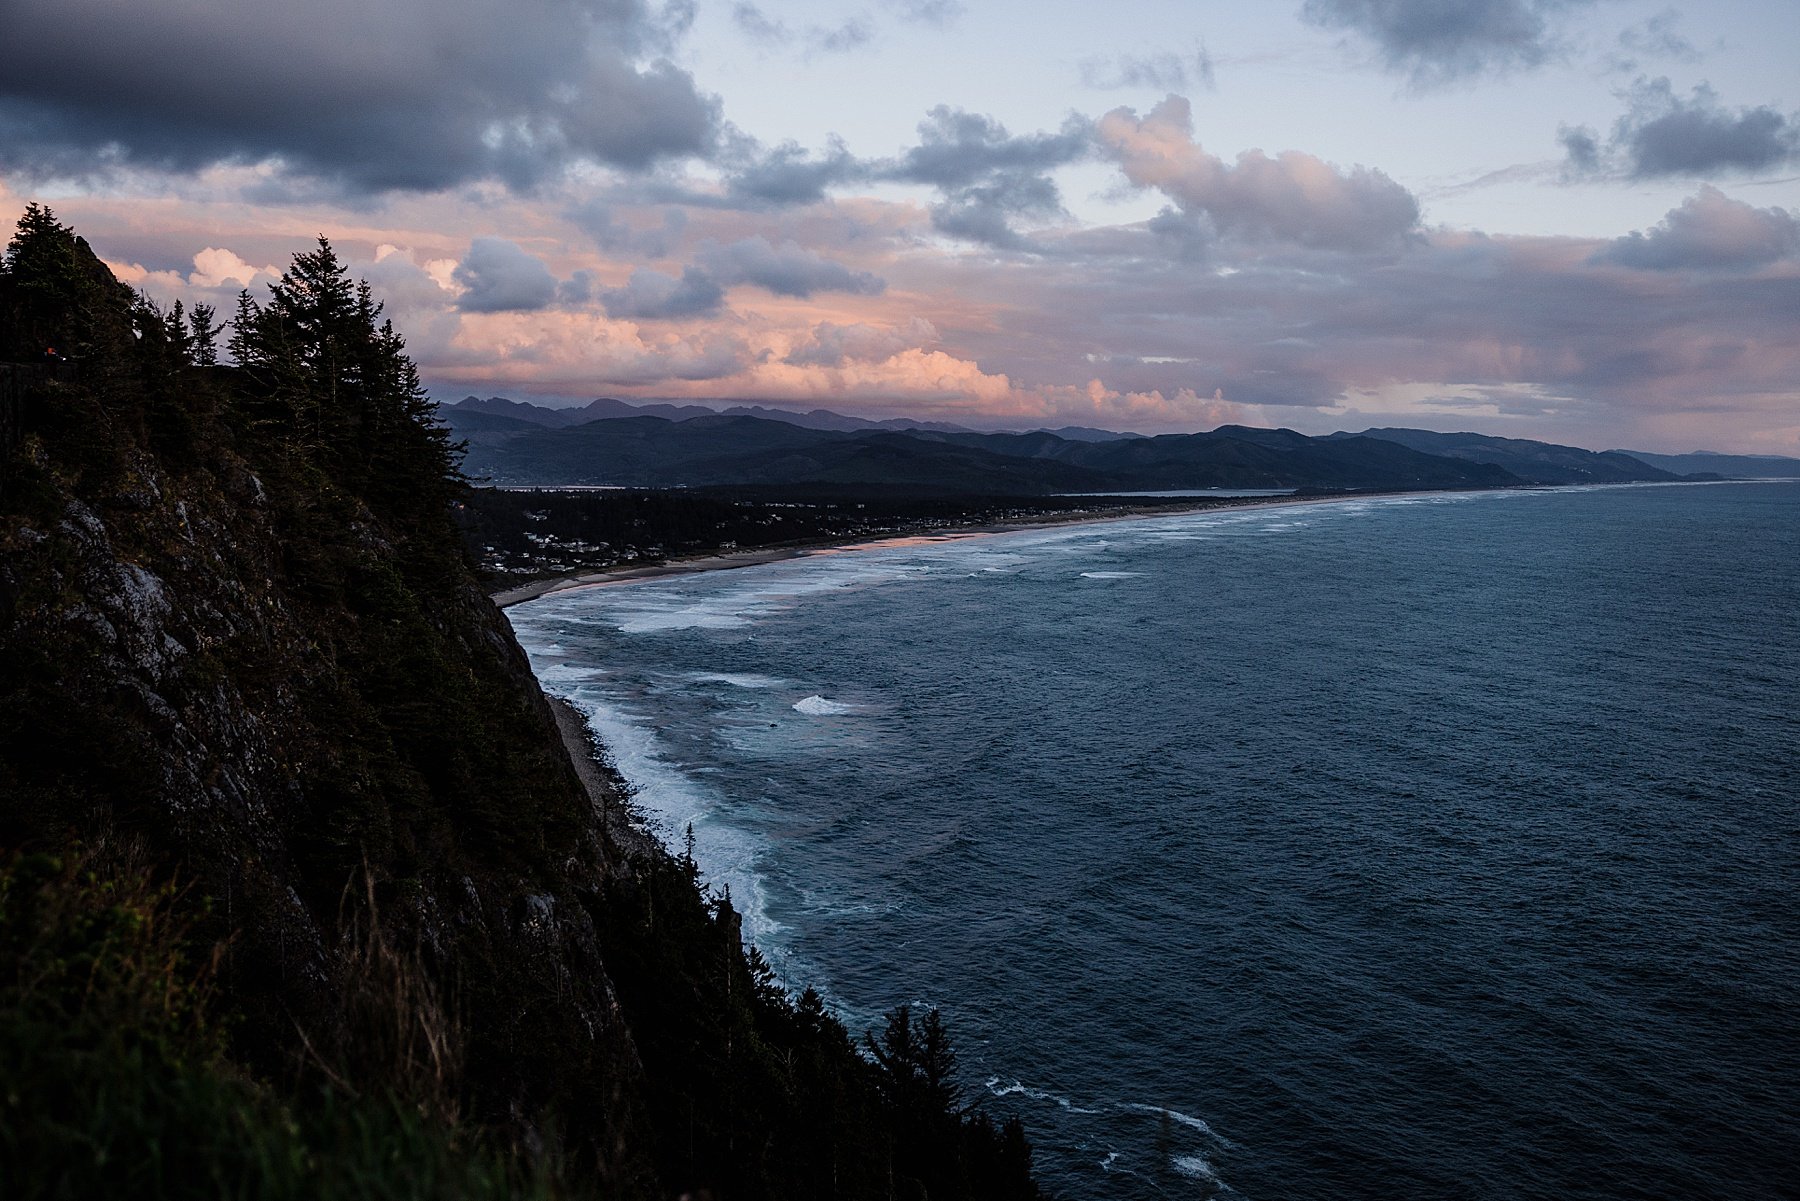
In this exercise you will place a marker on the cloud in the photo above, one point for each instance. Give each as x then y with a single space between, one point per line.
1292 197
851 35
1655 37
215 268
988 176
650 295
1710 231
400 95
499 277
758 26
1165 71
1435 41
786 270
939 13
1661 135
772 32
958 149
789 174
402 285
599 221
576 291
833 345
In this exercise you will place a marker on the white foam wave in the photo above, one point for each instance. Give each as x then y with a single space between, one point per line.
736 679
672 799
1175 1115
1110 575
1017 1089
1193 1167
818 706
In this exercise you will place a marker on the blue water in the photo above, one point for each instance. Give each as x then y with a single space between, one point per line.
1430 847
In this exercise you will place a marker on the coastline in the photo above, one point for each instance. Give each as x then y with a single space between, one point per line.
607 790
755 557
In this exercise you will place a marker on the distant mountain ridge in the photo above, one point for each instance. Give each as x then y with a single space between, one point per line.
607 407
1729 466
720 449
1534 462
614 442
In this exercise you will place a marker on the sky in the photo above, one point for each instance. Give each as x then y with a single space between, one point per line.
1573 220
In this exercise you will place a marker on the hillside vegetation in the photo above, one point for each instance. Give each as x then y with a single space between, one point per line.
300 894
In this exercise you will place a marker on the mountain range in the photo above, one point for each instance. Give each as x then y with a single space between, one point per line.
614 443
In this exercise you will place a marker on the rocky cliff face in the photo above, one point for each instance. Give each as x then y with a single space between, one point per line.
310 714
241 653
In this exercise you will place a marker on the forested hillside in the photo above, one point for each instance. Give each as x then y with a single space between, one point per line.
300 893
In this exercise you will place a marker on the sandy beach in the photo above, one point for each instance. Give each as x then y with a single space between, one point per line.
756 556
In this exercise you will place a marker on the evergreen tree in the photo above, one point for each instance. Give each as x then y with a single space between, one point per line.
343 388
203 335
55 297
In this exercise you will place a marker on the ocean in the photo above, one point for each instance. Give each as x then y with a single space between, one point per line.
1432 846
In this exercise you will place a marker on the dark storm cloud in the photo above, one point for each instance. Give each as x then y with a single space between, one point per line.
499 277
653 296
1710 231
1433 41
786 270
1662 135
1165 71
405 94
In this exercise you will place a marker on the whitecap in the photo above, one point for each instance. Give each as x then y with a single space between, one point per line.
1019 1089
1110 575
1177 1116
737 679
818 706
1193 1167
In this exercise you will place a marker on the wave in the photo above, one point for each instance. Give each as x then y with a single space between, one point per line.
671 799
1016 1089
818 706
1183 1119
736 679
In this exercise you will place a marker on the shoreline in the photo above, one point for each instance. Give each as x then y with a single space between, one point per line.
758 556
607 790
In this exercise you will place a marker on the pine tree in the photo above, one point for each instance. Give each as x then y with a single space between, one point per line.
56 299
345 391
203 335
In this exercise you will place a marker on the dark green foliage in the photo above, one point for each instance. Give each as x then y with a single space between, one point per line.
114 1084
756 1094
55 296
238 633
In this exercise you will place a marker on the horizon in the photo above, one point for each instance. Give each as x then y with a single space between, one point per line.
740 402
1563 221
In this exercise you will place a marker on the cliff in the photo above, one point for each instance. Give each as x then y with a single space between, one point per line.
253 696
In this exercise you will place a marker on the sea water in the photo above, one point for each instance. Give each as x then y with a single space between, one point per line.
1420 847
